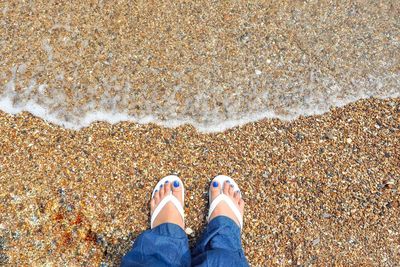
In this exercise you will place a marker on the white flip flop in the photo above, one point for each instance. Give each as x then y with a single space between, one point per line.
168 198
222 197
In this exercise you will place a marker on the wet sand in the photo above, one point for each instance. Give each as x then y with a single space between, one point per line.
320 190
196 61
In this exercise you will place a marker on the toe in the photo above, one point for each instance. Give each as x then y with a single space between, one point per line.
167 187
215 189
156 197
231 191
152 204
226 187
177 189
162 191
236 196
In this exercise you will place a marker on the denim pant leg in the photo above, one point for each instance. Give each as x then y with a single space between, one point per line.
164 245
220 245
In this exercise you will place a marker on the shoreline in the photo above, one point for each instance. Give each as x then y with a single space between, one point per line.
318 189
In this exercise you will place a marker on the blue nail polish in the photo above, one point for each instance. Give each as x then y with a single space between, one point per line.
231 185
227 181
167 182
176 183
215 184
156 190
161 185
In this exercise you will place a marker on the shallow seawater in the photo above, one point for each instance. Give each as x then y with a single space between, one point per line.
214 66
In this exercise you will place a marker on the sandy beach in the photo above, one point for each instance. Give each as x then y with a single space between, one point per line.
320 190
298 101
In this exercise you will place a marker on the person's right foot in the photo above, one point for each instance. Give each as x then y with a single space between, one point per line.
169 213
223 208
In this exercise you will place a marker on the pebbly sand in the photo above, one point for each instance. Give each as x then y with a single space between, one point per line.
320 190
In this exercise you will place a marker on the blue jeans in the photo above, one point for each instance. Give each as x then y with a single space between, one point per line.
167 245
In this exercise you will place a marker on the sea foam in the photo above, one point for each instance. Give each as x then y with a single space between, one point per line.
32 99
212 66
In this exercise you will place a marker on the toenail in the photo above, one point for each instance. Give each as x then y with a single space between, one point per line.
227 181
176 183
231 185
161 185
215 184
156 190
167 182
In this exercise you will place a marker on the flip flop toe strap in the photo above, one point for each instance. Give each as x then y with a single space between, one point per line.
164 201
229 202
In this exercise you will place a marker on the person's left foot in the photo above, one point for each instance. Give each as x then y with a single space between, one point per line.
169 213
222 208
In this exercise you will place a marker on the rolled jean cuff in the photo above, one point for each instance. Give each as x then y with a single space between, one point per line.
170 230
220 220
164 245
227 230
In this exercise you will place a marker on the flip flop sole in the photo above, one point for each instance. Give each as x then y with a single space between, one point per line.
221 180
168 198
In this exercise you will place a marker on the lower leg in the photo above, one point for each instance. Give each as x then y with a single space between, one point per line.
166 244
220 244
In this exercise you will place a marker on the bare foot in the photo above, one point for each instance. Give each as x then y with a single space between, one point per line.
223 208
169 213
